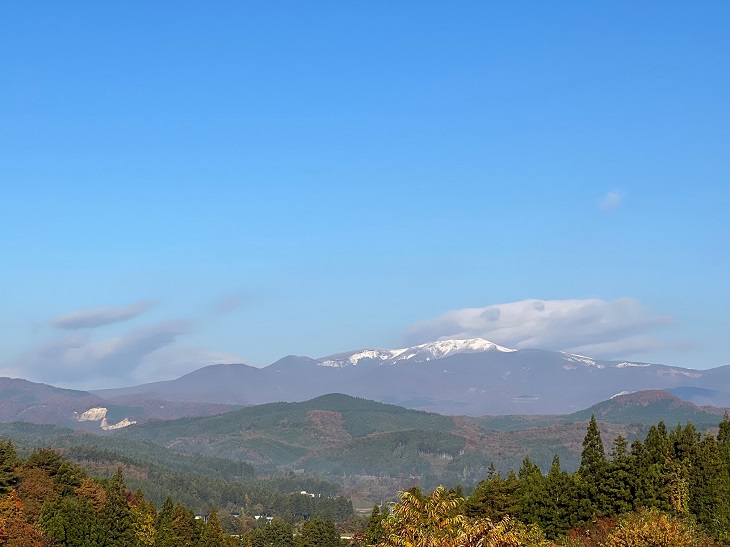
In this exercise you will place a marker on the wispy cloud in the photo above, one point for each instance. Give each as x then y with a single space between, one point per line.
89 319
174 361
599 328
77 358
611 201
228 303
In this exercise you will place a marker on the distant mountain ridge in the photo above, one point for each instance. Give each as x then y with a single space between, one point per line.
370 446
459 377
338 434
24 401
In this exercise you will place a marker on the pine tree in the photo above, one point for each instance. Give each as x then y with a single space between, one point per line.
212 535
45 458
117 521
593 456
144 514
71 523
374 530
319 533
184 529
68 478
528 469
723 439
9 461
552 501
618 485
709 488
494 498
683 442
278 533
593 475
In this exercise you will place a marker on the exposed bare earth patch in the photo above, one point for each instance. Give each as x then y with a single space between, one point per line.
328 427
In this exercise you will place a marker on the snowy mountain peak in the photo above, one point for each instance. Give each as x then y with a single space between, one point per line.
423 352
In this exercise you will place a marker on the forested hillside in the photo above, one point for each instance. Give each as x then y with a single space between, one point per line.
47 501
670 489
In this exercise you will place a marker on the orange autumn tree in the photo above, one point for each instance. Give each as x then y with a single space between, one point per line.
15 531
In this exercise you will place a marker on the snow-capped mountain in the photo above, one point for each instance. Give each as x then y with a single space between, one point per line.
470 377
417 354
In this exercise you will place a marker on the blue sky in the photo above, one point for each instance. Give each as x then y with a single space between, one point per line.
184 183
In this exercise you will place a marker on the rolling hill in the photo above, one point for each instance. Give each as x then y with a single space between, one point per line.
337 435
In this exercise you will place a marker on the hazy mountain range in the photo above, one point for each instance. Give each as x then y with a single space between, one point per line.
468 377
370 446
457 377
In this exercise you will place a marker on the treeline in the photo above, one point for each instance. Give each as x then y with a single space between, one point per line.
673 488
47 501
395 454
271 496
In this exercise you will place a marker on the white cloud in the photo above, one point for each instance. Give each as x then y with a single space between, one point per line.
89 319
174 361
598 328
611 201
77 359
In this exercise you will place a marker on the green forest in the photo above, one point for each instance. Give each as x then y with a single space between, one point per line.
671 488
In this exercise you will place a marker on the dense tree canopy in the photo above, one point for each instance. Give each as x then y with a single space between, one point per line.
672 488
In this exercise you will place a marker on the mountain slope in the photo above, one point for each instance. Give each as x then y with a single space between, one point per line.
337 434
458 377
650 407
24 401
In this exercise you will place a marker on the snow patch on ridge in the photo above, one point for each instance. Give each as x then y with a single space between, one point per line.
582 359
423 352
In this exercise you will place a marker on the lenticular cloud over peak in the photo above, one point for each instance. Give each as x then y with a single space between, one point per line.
89 319
603 328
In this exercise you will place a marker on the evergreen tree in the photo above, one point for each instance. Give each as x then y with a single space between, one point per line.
553 501
68 478
46 459
494 498
319 533
184 530
71 522
528 468
684 442
657 443
709 489
144 514
9 461
374 530
212 535
723 439
117 521
593 457
618 485
648 467
593 475
278 533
